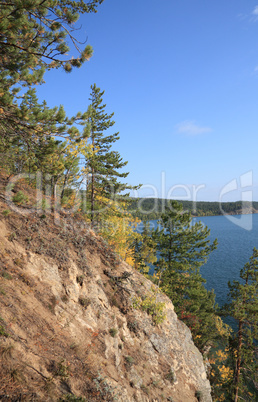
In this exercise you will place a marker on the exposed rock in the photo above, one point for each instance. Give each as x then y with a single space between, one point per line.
72 328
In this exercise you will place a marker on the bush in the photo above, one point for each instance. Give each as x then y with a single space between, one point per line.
84 302
3 332
198 395
113 332
6 275
170 376
20 198
150 304
80 279
72 398
6 212
129 360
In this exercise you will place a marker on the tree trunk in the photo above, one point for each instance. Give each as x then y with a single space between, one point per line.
92 199
238 362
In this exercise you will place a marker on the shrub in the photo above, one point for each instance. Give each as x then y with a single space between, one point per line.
3 332
198 395
145 389
20 198
129 360
133 326
113 332
72 398
85 302
6 212
62 370
6 350
170 376
150 304
19 262
80 279
12 236
105 390
6 275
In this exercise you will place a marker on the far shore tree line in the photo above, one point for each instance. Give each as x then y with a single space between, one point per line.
153 208
78 154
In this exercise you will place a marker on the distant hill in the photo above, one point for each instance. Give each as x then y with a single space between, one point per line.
152 208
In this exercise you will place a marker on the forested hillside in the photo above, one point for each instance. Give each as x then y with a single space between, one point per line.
152 208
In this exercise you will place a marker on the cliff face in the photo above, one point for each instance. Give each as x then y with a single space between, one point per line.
68 328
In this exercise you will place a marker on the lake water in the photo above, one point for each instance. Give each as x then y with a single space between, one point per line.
236 241
235 247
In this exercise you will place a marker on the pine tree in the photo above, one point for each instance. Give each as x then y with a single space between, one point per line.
243 307
103 164
144 250
34 37
182 249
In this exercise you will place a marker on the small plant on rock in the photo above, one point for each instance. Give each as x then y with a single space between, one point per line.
62 370
20 198
170 376
6 212
84 301
198 395
80 279
3 332
150 304
129 360
113 332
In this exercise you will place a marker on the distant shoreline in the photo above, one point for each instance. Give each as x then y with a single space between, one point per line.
152 208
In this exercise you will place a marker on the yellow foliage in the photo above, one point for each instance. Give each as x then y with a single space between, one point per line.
117 227
225 372
149 303
221 355
223 329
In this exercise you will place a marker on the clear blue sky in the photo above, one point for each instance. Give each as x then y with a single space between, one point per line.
181 77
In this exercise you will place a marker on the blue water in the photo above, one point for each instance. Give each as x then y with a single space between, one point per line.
236 241
235 247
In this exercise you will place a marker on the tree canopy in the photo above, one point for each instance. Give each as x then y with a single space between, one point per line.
34 37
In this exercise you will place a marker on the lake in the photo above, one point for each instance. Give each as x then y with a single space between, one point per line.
235 247
237 236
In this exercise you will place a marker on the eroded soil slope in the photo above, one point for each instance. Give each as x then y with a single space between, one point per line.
68 328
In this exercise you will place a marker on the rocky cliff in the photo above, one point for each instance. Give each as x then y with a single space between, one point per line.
70 329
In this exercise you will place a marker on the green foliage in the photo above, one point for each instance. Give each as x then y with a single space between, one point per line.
80 279
34 38
62 370
72 398
243 307
20 198
152 307
144 250
170 376
6 350
6 275
105 390
113 331
129 360
3 332
84 301
133 326
6 212
145 389
103 165
198 395
183 247
153 208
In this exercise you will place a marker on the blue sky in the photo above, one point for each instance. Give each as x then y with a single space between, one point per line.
182 80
